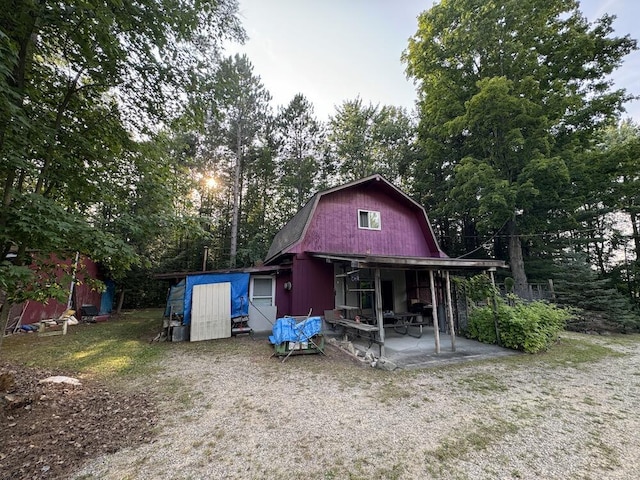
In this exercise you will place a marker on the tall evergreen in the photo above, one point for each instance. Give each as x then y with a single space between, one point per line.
602 306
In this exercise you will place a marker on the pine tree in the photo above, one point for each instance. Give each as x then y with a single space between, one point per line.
601 306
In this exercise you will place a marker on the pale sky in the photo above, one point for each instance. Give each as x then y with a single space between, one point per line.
336 50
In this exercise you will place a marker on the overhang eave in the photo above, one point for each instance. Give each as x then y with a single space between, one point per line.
427 263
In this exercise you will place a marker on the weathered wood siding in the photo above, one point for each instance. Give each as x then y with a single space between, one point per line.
334 226
84 293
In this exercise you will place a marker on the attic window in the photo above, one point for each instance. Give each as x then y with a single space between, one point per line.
369 220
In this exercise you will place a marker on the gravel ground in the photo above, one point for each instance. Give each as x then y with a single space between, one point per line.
233 412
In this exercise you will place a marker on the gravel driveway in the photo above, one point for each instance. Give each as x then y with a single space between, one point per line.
230 411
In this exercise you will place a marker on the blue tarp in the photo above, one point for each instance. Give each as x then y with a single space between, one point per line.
175 300
239 292
288 330
106 299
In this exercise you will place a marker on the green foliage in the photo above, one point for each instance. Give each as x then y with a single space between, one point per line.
76 80
481 325
511 93
238 140
299 143
601 306
533 327
477 288
367 139
13 278
530 327
509 283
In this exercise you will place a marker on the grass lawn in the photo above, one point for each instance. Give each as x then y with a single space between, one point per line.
106 351
122 349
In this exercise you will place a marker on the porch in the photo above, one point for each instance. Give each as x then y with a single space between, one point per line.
416 293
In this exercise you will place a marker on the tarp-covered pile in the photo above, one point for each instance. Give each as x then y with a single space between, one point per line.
179 298
288 330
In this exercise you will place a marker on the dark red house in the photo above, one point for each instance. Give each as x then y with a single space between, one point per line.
365 247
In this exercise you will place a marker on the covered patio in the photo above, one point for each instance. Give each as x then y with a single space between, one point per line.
435 298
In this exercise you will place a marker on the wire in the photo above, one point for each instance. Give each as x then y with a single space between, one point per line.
486 241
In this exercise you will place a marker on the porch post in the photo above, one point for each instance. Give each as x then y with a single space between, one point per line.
434 311
452 330
492 276
379 317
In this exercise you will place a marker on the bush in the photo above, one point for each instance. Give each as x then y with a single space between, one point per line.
481 324
530 327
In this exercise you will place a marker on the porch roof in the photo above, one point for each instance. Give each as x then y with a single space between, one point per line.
425 263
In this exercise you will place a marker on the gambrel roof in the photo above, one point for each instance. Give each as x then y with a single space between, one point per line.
294 231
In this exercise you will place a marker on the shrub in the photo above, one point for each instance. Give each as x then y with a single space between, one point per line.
530 327
481 324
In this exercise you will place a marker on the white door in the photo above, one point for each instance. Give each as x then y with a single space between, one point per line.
211 311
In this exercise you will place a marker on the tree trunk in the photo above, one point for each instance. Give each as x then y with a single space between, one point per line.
516 260
17 83
636 234
120 302
236 202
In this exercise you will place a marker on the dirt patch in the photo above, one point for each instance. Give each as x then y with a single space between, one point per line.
49 430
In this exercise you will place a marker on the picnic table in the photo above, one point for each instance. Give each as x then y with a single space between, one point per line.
407 320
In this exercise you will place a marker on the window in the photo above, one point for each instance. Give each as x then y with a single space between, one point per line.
262 291
368 220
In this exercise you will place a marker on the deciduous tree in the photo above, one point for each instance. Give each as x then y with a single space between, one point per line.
77 79
508 92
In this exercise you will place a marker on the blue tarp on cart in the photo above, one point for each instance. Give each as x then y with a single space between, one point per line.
288 330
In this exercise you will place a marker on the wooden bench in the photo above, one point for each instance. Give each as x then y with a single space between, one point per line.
364 330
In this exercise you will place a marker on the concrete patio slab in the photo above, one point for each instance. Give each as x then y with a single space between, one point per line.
409 352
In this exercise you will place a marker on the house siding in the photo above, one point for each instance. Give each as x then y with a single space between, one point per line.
312 281
283 296
334 226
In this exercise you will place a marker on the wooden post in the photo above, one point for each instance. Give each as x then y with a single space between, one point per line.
73 280
553 293
452 330
492 276
205 258
434 311
494 308
379 317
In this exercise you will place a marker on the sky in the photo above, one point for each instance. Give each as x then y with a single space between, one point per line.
337 50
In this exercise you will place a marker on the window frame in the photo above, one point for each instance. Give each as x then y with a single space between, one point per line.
272 297
369 213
